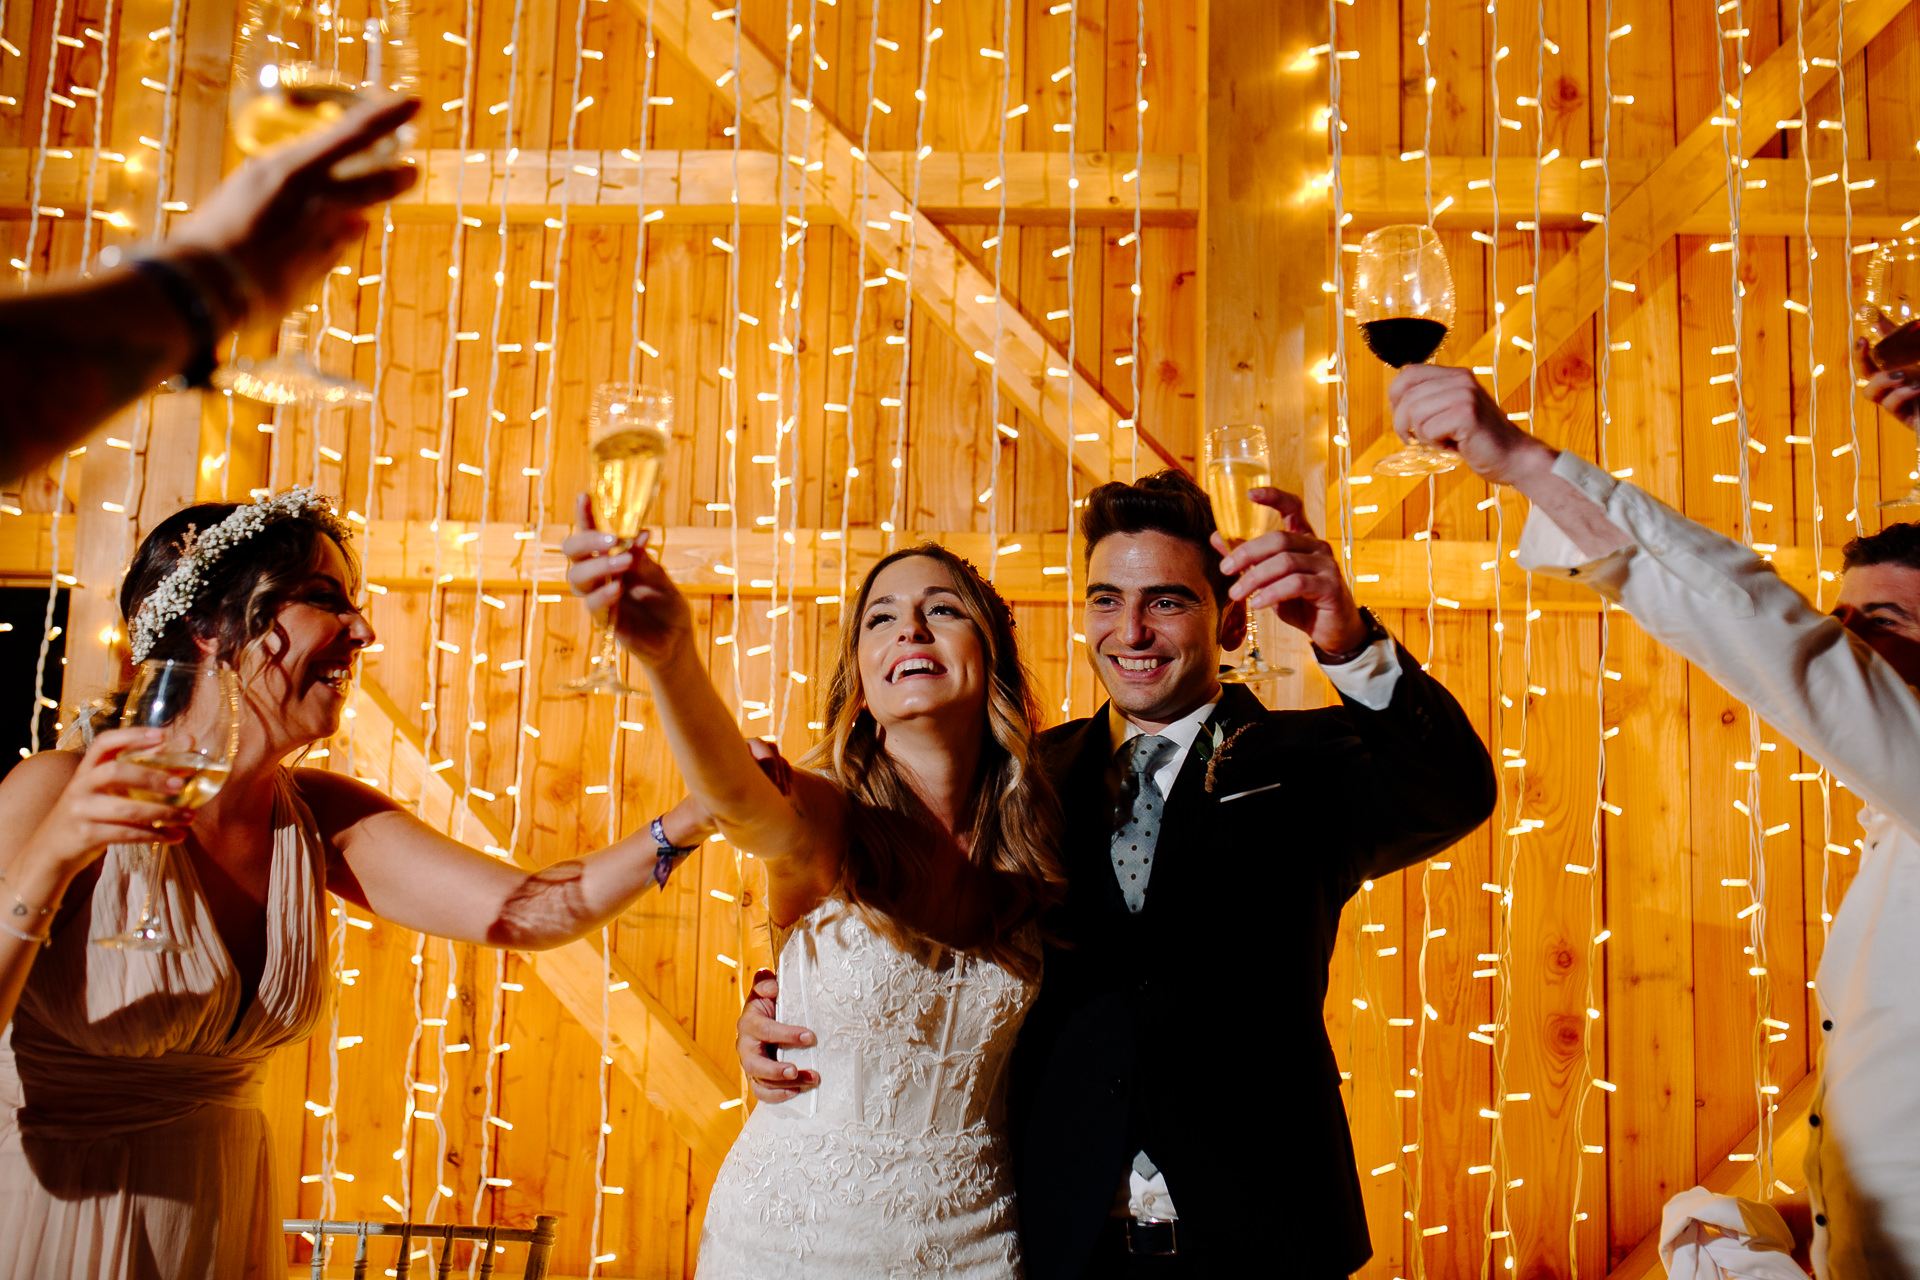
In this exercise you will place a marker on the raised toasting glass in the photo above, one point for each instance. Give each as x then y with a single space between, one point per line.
1403 300
197 705
298 66
1237 463
629 432
1888 319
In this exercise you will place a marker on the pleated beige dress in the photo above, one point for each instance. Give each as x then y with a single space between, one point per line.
132 1143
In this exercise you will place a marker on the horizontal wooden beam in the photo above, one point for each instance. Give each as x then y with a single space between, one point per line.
698 187
1380 190
399 555
648 1043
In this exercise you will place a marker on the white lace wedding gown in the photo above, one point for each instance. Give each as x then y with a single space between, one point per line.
897 1164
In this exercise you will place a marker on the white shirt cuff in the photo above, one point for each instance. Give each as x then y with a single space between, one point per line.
1369 679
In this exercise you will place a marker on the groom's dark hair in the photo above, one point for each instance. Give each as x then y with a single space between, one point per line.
1895 544
1166 502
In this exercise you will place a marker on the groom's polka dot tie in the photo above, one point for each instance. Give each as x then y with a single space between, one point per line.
1140 809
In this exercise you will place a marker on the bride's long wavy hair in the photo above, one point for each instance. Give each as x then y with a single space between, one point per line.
1012 820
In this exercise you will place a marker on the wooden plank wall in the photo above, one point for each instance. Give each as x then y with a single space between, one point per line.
1676 1007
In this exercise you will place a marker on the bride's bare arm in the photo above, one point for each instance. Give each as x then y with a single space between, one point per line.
800 836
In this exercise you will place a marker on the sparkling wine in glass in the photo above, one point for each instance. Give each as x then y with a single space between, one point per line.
1237 463
197 705
1403 299
299 65
1889 319
628 433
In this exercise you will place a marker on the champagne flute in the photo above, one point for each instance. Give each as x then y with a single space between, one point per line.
629 432
1888 319
198 707
299 65
1237 463
1403 299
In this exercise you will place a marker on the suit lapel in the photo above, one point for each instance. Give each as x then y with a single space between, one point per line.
1086 800
1190 817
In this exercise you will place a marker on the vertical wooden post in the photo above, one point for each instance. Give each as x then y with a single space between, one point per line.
159 478
1264 222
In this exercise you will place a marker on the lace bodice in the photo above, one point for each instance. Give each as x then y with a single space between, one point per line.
896 1164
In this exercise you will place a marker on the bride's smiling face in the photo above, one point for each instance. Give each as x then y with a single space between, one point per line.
920 651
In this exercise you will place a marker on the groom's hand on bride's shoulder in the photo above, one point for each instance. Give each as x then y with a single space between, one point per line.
761 1038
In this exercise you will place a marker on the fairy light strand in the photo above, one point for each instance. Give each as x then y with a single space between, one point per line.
1846 241
100 136
1511 796
1139 186
1584 1087
897 514
851 470
788 376
36 201
996 444
1731 118
1415 1167
1072 16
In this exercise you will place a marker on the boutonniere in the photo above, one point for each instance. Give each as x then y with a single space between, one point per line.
1213 746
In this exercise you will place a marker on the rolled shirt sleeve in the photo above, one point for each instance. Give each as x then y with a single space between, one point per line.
1723 608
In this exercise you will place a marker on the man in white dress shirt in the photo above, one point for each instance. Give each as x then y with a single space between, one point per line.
1839 686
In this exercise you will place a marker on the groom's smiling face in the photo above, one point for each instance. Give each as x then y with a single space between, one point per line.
1154 632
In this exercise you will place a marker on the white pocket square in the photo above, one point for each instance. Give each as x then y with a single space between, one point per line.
1241 795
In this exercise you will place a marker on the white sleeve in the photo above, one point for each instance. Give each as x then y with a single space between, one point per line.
1720 606
1369 679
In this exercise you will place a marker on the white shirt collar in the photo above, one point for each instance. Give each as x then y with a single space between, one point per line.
1181 732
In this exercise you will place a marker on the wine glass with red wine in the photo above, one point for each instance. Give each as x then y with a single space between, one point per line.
1889 319
1403 299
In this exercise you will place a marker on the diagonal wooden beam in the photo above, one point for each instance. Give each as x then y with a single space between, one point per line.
648 1043
1741 1177
1034 373
1642 220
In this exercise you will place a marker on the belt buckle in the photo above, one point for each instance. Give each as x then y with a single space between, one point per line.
1151 1237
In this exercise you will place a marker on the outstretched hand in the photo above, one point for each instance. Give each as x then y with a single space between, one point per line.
1448 408
761 1037
627 590
1295 573
286 217
1895 390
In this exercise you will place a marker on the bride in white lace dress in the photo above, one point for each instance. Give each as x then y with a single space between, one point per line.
907 871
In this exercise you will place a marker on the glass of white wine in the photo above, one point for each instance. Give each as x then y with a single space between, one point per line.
629 432
298 66
197 705
1889 319
1237 463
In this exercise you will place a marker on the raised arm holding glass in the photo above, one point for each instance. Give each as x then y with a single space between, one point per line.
907 868
188 846
1838 685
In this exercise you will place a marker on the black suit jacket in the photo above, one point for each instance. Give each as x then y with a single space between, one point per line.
1194 1029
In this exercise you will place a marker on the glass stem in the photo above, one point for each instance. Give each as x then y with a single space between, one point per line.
606 652
149 872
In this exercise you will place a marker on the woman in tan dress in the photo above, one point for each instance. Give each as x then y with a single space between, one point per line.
132 1143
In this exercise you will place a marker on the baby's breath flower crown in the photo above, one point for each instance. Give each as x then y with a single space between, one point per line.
200 552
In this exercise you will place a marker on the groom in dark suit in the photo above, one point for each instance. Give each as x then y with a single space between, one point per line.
1210 846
